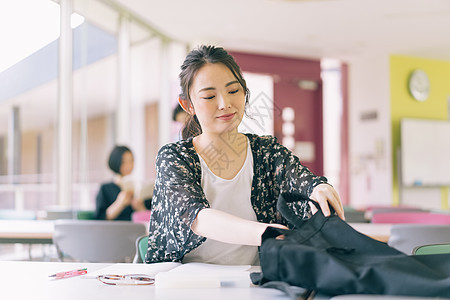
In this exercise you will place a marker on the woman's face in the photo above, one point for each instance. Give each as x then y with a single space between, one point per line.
127 164
218 99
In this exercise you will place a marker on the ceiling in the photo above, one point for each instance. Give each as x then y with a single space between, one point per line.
342 29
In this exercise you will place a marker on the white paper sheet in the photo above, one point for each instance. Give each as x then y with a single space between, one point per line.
200 275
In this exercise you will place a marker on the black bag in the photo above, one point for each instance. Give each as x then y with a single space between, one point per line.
327 255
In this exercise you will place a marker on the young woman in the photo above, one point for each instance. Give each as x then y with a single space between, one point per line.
216 190
116 199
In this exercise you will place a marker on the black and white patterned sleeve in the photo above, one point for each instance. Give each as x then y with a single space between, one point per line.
177 199
293 176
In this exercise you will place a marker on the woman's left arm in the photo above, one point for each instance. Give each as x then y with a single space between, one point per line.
293 176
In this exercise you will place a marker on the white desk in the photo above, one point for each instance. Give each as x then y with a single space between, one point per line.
29 280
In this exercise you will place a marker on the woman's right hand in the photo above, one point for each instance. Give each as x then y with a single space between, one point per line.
281 226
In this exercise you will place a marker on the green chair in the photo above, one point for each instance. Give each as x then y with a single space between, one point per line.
432 249
141 249
85 215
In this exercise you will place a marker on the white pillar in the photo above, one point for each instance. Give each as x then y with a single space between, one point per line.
14 157
14 145
164 107
85 201
123 110
64 153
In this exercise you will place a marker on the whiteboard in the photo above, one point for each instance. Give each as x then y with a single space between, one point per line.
425 152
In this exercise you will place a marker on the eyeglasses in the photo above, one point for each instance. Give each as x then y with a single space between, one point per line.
127 279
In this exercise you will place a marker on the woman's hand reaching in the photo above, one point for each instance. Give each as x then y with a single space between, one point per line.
325 195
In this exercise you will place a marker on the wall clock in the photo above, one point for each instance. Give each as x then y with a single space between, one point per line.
419 85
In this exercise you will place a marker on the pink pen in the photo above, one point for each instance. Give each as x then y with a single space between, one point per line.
69 273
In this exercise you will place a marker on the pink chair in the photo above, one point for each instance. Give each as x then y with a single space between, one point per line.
372 210
389 207
411 217
142 216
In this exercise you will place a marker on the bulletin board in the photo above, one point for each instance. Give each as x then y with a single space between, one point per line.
425 152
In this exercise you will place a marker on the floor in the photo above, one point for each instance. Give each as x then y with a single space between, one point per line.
23 252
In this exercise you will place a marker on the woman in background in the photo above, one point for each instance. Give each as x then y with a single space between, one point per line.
180 117
116 200
216 190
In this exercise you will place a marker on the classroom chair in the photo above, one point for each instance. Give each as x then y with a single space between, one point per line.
141 249
432 249
142 216
97 240
411 217
56 214
375 297
374 209
355 216
406 237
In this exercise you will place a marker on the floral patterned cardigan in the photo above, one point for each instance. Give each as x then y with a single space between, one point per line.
178 195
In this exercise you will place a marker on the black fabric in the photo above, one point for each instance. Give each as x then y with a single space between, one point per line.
328 255
105 197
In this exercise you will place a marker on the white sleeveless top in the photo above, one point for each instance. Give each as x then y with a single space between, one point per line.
231 196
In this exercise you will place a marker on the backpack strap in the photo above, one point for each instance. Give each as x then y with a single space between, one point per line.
287 212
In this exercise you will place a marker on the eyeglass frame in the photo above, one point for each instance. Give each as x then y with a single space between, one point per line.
138 279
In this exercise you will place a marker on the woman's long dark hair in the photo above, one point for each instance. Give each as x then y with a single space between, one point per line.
196 59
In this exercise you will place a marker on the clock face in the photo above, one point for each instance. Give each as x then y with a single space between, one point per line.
419 85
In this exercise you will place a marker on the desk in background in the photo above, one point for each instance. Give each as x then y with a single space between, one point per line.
26 231
41 231
379 232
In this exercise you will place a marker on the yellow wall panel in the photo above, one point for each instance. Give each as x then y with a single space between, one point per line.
403 105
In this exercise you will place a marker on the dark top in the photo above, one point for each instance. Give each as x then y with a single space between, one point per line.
178 195
106 196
